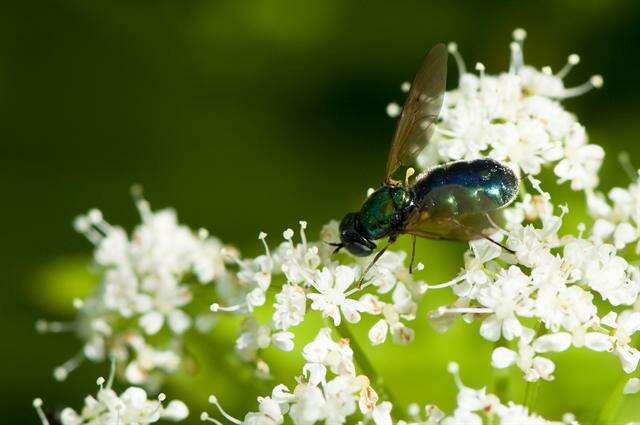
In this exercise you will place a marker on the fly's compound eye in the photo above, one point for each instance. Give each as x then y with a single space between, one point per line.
352 240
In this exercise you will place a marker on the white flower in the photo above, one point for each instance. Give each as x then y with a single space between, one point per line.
525 143
113 249
283 340
581 162
564 307
256 272
388 270
515 117
147 281
632 386
508 296
207 260
531 245
478 407
255 337
515 414
334 400
310 405
480 254
625 325
129 408
324 352
271 409
620 221
604 271
121 292
533 366
299 261
381 414
290 307
403 307
148 359
268 414
331 299
503 357
559 341
166 296
341 395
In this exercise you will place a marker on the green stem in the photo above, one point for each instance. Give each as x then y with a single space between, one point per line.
531 389
610 408
530 394
367 367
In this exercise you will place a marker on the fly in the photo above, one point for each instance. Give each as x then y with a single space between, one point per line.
459 200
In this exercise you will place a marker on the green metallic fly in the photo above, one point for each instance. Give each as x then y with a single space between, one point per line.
459 200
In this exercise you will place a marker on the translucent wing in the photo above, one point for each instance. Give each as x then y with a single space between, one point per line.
462 200
455 213
470 227
420 111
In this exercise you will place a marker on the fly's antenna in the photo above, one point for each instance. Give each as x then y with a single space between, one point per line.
410 172
627 166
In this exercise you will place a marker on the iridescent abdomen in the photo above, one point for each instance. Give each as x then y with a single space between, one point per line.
466 188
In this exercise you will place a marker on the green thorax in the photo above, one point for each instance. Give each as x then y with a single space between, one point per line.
380 212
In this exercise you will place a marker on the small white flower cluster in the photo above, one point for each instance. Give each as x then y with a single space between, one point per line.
550 284
617 221
548 292
315 281
329 391
515 117
132 407
147 282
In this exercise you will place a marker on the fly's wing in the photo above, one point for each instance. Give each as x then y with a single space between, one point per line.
455 213
420 111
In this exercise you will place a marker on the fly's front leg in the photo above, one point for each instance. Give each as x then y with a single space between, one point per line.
392 239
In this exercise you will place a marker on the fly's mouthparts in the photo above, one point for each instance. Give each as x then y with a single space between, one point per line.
338 245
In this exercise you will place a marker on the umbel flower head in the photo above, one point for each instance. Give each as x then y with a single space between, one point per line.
314 281
554 289
330 391
543 297
145 291
516 117
131 407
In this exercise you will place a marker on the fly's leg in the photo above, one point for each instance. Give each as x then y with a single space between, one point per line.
413 253
375 259
480 235
392 239
497 243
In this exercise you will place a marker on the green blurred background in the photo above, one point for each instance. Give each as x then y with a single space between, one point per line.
248 116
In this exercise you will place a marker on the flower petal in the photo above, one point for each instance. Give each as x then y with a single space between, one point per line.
378 332
502 357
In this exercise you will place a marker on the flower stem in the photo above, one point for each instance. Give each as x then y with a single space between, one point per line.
530 394
610 407
367 367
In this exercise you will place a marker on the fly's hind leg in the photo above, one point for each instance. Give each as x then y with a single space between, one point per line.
423 234
497 243
413 253
477 234
498 227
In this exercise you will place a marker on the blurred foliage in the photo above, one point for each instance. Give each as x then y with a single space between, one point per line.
221 107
